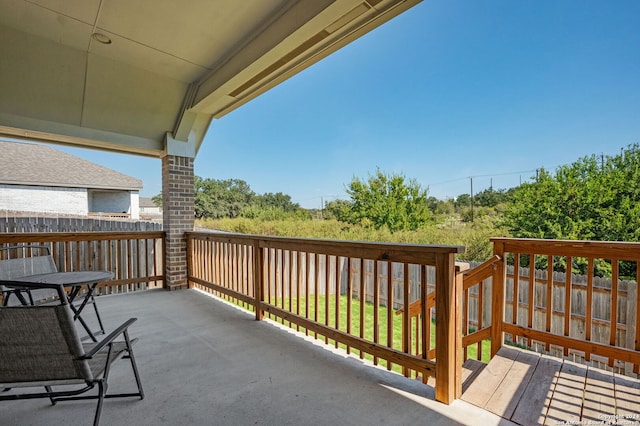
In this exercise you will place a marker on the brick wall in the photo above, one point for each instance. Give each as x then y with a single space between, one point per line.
178 198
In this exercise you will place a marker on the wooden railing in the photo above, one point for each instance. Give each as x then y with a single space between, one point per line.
476 323
135 258
573 313
346 293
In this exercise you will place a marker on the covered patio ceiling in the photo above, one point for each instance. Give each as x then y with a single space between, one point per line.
148 76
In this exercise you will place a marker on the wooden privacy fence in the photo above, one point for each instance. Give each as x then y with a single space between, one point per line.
135 258
11 222
346 293
568 314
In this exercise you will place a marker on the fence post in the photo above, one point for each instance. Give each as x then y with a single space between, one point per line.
258 279
497 299
190 264
448 337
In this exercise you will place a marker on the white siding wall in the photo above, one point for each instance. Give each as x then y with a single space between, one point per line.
135 205
44 199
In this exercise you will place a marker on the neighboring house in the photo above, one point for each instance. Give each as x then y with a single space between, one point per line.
148 209
38 178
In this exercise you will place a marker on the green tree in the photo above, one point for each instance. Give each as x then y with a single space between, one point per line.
490 197
440 207
589 199
277 201
221 198
388 201
341 210
462 200
592 199
157 199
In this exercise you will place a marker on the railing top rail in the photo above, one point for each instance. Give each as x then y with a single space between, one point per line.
577 248
32 237
412 253
480 272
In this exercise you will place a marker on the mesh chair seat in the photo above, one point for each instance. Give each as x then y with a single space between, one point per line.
41 347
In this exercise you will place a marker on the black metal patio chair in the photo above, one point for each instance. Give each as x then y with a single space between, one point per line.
41 347
19 261
22 260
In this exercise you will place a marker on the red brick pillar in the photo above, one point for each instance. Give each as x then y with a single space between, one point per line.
178 197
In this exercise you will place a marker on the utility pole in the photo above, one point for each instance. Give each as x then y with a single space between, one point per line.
321 208
471 179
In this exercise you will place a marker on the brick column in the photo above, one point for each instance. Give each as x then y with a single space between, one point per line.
178 197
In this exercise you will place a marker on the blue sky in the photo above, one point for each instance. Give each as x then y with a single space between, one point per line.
449 90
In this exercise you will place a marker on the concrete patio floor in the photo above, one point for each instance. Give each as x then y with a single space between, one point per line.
205 362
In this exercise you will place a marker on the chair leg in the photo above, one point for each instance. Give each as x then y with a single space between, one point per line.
49 390
133 364
102 390
95 308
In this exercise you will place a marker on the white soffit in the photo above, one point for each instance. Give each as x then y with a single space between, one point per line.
170 67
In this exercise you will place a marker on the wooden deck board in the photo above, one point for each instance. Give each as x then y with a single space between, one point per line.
505 399
568 394
526 388
627 391
599 398
470 370
538 393
490 378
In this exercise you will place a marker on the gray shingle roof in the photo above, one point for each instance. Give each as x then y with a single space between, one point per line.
33 164
146 202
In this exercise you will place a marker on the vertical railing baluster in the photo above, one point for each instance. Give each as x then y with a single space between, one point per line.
480 323
636 367
549 302
258 279
298 284
497 299
349 297
532 292
613 331
376 304
567 301
426 314
406 321
390 314
516 290
291 279
316 302
338 278
589 307
363 297
307 289
327 291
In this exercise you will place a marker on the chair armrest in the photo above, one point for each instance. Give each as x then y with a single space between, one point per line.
108 339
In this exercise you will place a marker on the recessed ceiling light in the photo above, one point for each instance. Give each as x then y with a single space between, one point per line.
101 38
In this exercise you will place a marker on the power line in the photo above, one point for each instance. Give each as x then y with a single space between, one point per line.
481 176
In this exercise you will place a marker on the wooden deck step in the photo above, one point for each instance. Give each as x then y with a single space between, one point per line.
528 388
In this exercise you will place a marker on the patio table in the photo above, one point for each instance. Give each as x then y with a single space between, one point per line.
74 282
